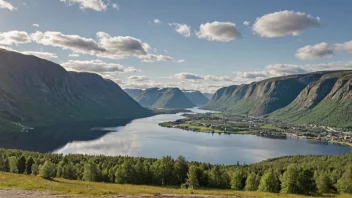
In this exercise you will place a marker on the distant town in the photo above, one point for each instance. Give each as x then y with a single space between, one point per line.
261 126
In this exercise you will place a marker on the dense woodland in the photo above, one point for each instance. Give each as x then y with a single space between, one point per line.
294 174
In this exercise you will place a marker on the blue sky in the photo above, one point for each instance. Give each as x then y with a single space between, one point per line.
224 53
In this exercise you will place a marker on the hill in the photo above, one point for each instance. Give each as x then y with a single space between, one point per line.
35 92
163 98
319 97
133 92
208 95
196 97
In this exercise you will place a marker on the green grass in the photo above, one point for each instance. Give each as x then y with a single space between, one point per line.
63 186
270 127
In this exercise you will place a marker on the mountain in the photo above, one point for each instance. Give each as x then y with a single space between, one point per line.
37 92
208 95
196 97
319 97
163 98
327 101
133 92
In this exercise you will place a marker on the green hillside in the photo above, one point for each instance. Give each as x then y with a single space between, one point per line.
319 97
37 92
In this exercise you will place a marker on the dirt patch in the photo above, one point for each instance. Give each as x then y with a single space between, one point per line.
15 193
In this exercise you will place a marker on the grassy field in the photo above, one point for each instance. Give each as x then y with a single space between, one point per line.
63 186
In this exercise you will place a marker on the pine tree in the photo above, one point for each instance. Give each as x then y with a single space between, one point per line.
13 164
344 184
252 182
237 180
289 180
22 165
91 172
48 170
192 180
323 183
269 182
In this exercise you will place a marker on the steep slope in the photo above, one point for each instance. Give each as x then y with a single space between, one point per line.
36 92
164 98
208 95
107 93
327 101
133 92
196 97
262 97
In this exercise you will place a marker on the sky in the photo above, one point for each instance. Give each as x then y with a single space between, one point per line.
195 45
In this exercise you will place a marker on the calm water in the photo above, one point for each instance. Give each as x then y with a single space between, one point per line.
144 137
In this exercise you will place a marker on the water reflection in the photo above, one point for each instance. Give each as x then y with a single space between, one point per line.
144 137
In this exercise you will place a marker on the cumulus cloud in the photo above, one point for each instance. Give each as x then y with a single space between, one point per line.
217 78
73 55
284 23
72 42
321 50
182 29
120 46
138 78
105 46
246 23
157 21
149 58
97 66
7 5
35 25
218 31
97 5
347 46
44 55
188 76
14 37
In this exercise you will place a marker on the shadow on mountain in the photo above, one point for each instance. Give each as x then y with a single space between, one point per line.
50 138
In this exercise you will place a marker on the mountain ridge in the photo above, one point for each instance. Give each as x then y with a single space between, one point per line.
302 98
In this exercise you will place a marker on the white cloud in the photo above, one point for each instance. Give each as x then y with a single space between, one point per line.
73 55
321 50
7 5
284 23
97 66
182 29
44 55
97 5
115 6
106 46
188 76
35 25
277 70
121 46
218 31
246 23
180 61
157 21
14 37
138 78
347 46
74 43
217 78
150 58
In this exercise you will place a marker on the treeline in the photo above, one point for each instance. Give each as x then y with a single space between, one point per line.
294 174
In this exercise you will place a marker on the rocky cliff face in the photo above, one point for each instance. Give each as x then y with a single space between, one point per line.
163 98
35 92
306 98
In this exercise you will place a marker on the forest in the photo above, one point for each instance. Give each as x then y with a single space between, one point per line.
301 174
